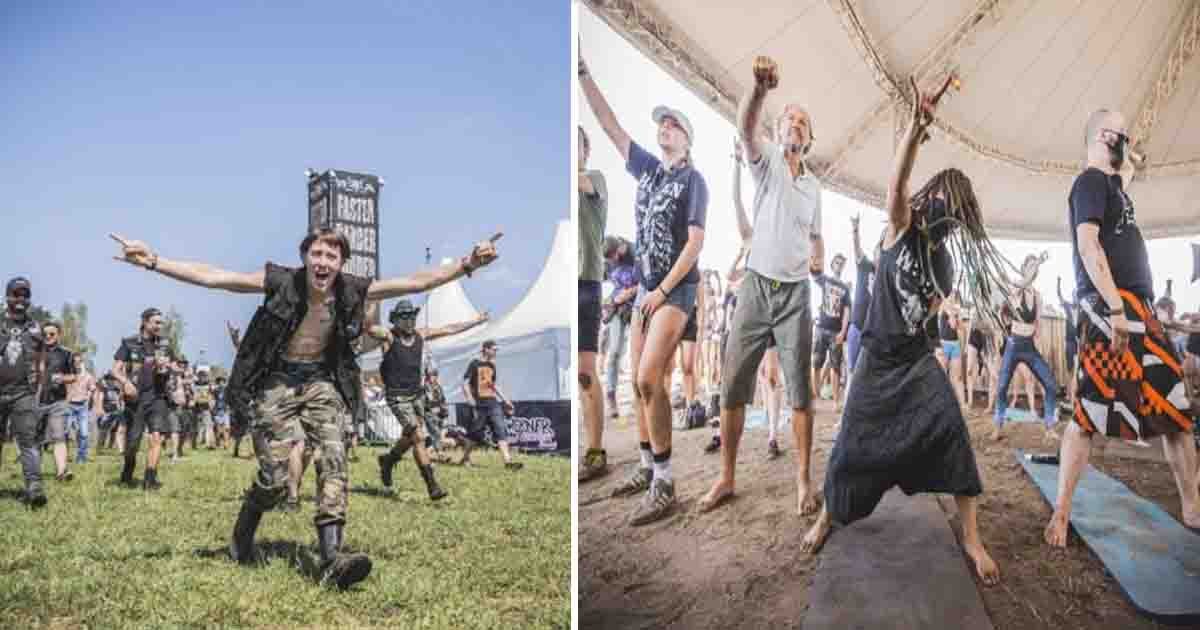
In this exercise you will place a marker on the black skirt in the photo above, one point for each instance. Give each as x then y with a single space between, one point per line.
902 426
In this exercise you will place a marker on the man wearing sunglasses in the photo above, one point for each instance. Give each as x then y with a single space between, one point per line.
404 383
58 373
21 348
1129 374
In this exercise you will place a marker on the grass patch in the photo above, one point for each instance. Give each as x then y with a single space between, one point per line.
496 553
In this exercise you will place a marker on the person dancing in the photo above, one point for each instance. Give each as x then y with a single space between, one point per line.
904 426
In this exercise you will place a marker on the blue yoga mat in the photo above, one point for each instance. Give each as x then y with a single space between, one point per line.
1013 414
1153 557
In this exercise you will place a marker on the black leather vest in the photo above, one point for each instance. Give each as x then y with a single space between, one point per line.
272 327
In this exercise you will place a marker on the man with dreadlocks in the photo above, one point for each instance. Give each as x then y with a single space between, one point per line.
903 426
1130 378
1026 303
401 369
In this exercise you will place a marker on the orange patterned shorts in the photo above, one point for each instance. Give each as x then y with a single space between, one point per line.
1138 394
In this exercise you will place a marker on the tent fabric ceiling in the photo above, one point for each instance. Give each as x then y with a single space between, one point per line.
1031 74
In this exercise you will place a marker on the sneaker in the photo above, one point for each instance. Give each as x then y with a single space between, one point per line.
657 504
514 465
595 465
637 483
714 445
66 475
773 449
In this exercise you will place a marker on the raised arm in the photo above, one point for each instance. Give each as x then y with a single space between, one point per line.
140 254
858 252
234 334
603 113
899 212
766 78
482 254
452 329
743 221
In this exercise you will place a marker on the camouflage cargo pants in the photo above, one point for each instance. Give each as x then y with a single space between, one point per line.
288 412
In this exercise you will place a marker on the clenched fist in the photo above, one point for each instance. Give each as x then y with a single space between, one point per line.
766 72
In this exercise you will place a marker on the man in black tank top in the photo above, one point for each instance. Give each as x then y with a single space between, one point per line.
404 386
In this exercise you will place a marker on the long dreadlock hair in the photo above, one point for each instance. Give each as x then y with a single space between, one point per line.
983 268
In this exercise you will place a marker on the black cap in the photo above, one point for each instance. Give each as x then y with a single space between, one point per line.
150 312
20 282
490 343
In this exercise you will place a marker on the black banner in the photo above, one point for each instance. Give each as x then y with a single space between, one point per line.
349 203
541 426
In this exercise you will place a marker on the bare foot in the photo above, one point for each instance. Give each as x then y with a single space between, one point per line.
1192 519
985 567
996 435
815 538
1056 530
808 501
718 495
1050 438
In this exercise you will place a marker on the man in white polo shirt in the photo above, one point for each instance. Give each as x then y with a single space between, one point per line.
773 301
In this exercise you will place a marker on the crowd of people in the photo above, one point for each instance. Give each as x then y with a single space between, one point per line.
295 388
934 308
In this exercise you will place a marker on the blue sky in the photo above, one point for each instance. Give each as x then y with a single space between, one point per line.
190 127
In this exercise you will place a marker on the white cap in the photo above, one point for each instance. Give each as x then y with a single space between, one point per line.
662 111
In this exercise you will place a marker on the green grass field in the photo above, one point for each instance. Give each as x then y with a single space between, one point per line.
496 553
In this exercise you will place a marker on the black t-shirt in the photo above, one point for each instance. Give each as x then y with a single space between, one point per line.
862 292
833 302
20 342
1193 344
667 203
1099 198
899 319
147 364
401 367
482 375
58 361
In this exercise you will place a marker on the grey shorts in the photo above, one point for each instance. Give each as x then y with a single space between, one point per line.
682 297
54 419
767 310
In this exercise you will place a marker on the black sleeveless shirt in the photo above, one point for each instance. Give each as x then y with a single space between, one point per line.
401 368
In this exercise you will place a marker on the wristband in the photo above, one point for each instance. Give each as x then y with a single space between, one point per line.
153 263
660 289
466 264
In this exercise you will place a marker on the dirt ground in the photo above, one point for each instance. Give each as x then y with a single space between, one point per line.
741 565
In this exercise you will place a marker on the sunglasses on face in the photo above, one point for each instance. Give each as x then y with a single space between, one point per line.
20 293
1124 139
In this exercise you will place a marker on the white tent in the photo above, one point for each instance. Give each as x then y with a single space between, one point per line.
447 304
1031 74
534 353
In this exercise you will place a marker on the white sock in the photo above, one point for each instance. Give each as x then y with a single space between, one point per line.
662 470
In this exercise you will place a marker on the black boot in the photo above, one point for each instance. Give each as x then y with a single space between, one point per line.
386 462
241 549
341 569
150 480
435 491
127 471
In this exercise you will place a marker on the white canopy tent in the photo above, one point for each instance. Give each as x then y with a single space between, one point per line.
533 339
1031 74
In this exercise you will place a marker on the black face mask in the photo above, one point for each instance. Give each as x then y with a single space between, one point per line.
405 325
1116 151
937 220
